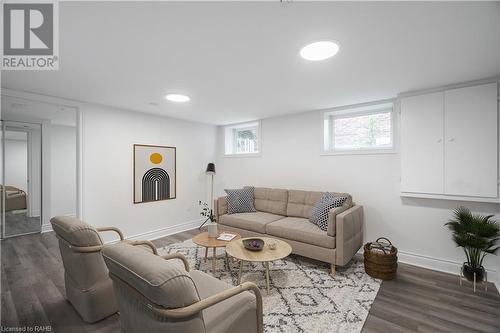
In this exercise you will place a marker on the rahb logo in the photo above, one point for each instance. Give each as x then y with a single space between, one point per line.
30 36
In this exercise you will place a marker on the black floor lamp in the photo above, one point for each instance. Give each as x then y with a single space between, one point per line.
211 172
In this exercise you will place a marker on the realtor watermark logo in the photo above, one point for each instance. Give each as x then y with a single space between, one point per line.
30 35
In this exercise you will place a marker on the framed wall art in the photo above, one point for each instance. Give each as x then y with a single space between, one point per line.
154 173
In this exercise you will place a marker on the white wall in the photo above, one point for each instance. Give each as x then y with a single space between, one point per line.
63 170
108 138
291 159
16 164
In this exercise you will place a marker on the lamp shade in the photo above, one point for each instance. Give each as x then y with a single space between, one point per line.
210 169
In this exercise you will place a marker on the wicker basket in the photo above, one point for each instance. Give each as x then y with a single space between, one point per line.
381 260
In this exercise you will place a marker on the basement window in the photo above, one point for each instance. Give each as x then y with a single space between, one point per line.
365 129
242 139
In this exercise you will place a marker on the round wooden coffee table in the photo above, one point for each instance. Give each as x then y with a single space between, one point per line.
236 250
209 242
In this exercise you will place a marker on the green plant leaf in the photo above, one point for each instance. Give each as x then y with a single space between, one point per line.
476 234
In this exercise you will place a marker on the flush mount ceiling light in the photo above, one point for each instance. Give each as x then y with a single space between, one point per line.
319 50
179 98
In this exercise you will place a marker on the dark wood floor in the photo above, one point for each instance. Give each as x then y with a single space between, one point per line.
18 223
419 300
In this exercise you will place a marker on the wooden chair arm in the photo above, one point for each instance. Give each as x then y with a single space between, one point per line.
86 249
177 255
214 299
118 231
145 242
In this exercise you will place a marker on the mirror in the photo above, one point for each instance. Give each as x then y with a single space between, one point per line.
21 188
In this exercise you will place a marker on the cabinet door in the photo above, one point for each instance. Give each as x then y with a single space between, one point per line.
422 144
471 127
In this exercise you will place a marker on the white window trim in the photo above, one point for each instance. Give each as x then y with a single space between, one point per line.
356 110
245 125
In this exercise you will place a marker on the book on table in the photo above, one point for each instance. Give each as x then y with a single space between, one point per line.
226 236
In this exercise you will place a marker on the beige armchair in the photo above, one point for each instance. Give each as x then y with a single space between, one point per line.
157 294
88 286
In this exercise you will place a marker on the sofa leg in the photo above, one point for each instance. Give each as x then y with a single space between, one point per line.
332 269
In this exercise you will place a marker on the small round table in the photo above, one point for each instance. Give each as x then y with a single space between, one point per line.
236 250
212 242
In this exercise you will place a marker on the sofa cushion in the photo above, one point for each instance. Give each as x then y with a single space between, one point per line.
240 200
301 230
301 203
250 221
236 314
160 280
320 211
271 200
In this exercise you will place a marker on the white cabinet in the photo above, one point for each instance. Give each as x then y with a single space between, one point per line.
449 144
422 147
470 128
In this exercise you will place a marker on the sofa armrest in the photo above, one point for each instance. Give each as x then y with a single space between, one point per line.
349 234
180 256
220 206
332 219
145 244
193 309
114 229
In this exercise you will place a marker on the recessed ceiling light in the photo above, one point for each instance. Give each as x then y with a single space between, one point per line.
177 98
319 50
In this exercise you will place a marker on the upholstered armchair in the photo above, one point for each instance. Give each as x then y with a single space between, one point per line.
159 294
88 286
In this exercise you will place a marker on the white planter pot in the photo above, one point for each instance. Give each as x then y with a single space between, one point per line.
212 230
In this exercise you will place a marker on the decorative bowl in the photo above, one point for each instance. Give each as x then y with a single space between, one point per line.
253 244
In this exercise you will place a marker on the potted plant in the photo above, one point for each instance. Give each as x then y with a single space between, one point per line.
477 235
207 212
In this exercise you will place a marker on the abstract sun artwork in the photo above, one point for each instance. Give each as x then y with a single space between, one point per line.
154 173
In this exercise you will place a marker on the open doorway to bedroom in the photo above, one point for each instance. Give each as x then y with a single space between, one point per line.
39 164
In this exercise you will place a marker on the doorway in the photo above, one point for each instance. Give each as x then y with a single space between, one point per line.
21 189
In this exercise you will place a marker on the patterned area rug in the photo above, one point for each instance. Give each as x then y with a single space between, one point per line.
303 296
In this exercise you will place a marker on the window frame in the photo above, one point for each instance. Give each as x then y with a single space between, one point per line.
243 126
328 133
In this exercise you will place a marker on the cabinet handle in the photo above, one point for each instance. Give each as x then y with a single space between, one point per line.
439 140
451 139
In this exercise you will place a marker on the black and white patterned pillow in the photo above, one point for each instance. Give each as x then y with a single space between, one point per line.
319 213
240 200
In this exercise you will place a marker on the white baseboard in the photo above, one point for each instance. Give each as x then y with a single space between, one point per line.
440 265
437 264
155 234
46 228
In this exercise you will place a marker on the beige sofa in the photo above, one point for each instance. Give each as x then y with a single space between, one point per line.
284 214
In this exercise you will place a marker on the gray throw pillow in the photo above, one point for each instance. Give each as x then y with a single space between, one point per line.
319 213
240 200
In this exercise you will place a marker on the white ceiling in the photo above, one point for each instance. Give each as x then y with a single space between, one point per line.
23 110
239 60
